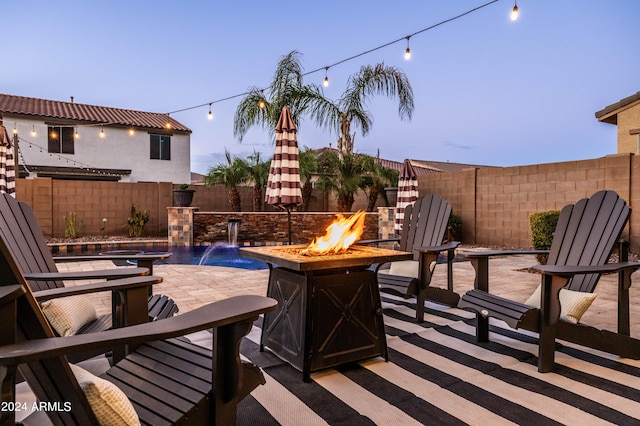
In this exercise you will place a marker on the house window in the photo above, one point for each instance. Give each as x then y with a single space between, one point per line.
60 140
160 147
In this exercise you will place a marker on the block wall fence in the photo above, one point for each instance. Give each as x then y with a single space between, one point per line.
495 203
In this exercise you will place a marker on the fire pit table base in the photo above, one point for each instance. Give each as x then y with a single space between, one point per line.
324 318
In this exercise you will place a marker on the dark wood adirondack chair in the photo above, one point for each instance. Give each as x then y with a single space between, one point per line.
167 379
424 227
584 238
36 262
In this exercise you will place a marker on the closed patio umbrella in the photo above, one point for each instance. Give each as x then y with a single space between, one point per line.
407 192
7 164
283 186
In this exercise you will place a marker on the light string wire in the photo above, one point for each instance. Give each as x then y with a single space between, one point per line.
350 58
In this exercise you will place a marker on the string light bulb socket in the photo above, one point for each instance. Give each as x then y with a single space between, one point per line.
76 135
210 115
102 131
33 131
514 12
15 129
325 83
407 53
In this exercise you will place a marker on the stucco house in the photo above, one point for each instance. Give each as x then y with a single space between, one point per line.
626 115
68 140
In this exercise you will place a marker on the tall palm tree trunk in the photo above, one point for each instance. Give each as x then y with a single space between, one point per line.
307 189
257 198
234 199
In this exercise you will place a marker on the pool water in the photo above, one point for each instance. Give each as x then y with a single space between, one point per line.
214 255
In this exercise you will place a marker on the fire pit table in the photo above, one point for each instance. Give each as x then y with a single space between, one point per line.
329 311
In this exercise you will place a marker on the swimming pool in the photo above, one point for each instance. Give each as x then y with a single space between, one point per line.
214 255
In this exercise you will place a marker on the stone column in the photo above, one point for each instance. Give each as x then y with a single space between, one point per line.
386 222
180 225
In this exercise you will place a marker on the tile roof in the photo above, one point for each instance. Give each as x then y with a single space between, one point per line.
610 113
44 108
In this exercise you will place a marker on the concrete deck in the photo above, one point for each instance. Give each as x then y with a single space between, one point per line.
194 286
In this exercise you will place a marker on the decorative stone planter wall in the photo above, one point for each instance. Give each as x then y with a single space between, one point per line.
271 228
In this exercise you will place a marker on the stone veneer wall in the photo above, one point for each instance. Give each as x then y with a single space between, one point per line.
269 228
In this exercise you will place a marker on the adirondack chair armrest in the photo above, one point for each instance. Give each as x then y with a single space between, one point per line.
10 293
112 285
497 253
380 240
105 274
438 249
238 309
107 256
567 271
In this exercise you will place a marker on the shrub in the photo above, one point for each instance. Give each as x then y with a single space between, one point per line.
454 227
136 222
543 224
72 226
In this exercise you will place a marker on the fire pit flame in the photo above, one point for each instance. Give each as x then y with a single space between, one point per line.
340 235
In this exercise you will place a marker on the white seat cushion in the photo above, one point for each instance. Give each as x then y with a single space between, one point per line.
109 404
573 304
405 268
67 315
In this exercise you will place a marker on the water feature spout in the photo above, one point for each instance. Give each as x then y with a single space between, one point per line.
232 231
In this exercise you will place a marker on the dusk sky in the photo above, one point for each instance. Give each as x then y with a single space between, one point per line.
487 90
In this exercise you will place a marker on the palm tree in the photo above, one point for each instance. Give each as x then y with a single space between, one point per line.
351 107
230 175
258 173
263 107
376 179
308 166
342 174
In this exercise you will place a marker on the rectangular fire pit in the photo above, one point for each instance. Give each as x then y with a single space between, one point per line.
329 311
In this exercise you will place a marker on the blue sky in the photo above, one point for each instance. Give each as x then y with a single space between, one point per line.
487 90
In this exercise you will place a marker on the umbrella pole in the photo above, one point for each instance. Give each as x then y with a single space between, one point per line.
289 223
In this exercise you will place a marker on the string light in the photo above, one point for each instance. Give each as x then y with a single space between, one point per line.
131 131
102 132
76 134
15 129
168 123
261 103
514 12
325 83
33 131
210 115
407 53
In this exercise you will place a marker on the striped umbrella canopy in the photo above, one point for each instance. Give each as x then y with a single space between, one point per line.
7 164
283 186
407 192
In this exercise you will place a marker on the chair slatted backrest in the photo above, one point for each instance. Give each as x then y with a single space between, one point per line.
50 379
26 241
586 234
425 222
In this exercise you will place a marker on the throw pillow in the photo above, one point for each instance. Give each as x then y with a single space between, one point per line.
405 268
67 315
573 304
109 404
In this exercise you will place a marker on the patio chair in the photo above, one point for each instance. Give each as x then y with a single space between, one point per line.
424 226
164 379
584 238
77 316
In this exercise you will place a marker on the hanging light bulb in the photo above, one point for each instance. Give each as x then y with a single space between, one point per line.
407 53
131 131
261 104
15 130
76 135
167 125
210 115
325 83
514 12
102 132
33 131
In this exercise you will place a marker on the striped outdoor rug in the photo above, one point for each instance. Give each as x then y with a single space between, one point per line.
437 374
